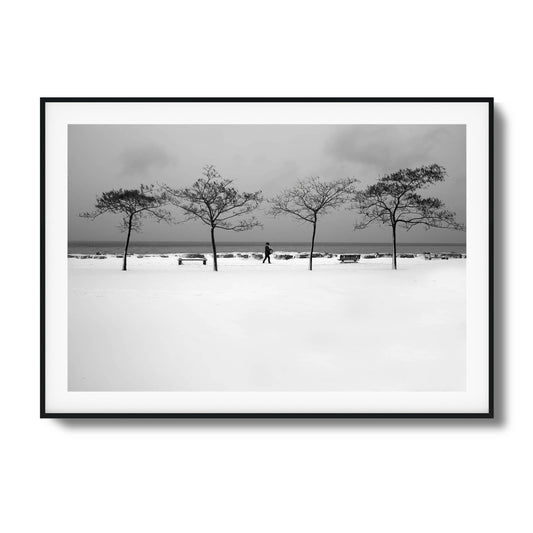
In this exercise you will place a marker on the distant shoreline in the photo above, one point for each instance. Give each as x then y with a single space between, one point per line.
148 247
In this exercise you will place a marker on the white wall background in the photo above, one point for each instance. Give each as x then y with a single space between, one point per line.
371 476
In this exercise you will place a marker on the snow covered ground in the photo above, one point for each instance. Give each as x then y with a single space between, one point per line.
260 327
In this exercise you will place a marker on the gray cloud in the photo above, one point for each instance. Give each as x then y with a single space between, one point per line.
267 157
384 148
144 160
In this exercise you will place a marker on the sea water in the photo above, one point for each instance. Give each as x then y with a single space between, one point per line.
167 247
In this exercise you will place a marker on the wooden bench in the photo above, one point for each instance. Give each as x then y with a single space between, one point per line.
346 258
202 259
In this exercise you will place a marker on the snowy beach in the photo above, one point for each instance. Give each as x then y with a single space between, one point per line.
360 326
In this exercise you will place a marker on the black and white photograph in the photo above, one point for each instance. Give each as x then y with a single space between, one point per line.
225 254
266 267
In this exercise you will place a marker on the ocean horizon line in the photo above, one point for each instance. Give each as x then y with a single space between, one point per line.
163 247
366 243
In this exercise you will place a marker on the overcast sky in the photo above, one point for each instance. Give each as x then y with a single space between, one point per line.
258 157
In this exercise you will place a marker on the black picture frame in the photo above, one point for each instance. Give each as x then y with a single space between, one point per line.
304 415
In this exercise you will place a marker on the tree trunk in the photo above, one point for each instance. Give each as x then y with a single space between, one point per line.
394 247
214 246
127 244
312 246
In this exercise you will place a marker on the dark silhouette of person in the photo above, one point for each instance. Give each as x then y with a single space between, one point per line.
268 251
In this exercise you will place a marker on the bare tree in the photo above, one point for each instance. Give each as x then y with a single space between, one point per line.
215 202
133 205
311 198
395 202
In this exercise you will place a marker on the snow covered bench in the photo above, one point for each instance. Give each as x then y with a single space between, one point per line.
199 258
346 258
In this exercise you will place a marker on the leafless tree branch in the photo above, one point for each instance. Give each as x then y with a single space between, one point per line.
394 201
215 202
311 198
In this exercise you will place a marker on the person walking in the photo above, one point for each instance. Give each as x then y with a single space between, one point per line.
268 251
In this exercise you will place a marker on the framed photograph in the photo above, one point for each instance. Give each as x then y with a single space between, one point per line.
266 257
